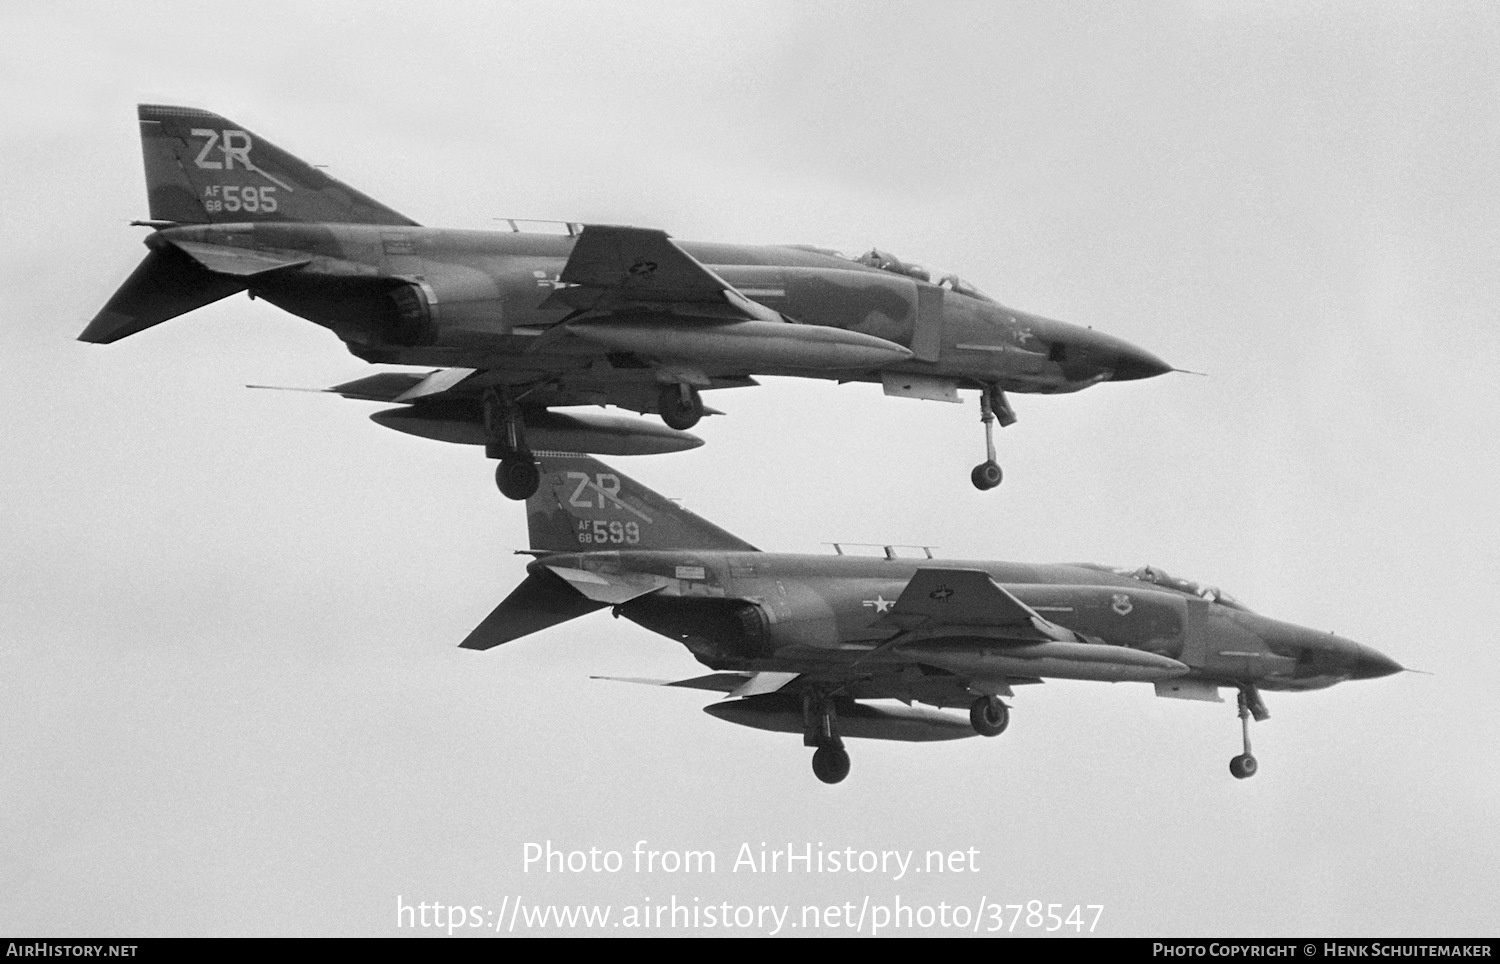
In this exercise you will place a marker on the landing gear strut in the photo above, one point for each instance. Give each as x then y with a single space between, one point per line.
992 405
1244 766
820 729
989 716
680 405
517 474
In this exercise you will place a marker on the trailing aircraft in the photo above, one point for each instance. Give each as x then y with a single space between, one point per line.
521 322
801 643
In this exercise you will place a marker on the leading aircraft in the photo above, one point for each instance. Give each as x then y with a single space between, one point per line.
521 322
799 643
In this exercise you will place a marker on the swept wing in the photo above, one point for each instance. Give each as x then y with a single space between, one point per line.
615 269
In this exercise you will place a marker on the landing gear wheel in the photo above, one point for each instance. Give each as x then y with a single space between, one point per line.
986 475
518 477
831 763
1243 766
680 406
989 716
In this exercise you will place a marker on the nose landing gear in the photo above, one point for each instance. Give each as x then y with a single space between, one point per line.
992 405
1244 766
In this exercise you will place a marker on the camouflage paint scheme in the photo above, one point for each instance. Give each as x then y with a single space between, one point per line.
801 639
595 315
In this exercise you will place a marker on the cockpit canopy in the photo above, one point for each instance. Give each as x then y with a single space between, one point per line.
1159 577
875 258
885 261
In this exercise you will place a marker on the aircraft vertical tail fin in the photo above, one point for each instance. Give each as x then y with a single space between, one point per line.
584 505
202 168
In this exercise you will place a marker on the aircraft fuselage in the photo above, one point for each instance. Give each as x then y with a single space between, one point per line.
478 299
765 612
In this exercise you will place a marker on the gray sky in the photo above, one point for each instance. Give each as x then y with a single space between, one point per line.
230 699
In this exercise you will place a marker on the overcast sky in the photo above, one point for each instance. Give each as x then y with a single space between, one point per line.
230 698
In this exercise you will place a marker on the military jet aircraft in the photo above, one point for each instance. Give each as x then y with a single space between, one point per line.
801 641
519 322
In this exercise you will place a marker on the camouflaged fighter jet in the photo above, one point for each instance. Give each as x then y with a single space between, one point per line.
800 641
522 322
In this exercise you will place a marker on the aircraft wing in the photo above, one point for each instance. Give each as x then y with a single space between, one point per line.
731 683
614 268
385 386
403 387
937 601
635 393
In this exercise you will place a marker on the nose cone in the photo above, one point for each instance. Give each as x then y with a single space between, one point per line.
1369 664
1322 659
1132 363
1087 357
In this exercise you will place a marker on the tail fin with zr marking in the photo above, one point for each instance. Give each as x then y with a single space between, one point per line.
584 505
202 168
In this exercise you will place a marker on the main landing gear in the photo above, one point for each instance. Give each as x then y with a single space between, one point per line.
518 477
820 729
517 474
989 716
831 763
680 405
992 405
1244 766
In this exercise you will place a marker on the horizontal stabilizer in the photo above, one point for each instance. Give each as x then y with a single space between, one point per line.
542 600
167 284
